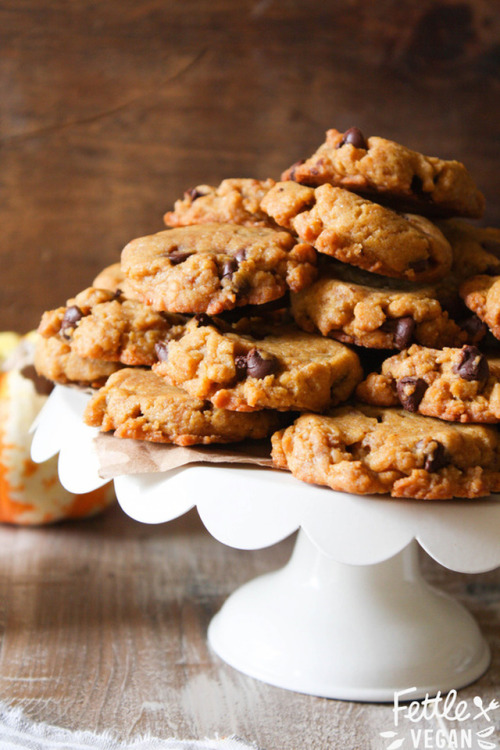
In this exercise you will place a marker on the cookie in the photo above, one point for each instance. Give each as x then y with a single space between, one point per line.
476 250
55 360
390 172
283 368
366 449
357 231
110 277
371 311
101 324
459 385
234 201
138 404
209 268
481 294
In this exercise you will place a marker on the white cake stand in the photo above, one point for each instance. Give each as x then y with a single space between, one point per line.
350 615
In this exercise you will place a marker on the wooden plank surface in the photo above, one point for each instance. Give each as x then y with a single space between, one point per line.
103 627
109 111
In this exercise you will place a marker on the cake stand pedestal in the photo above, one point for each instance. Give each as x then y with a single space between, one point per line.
350 615
352 632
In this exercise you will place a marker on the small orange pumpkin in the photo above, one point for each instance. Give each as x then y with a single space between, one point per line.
31 494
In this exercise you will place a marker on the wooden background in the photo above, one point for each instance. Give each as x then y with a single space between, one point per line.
109 110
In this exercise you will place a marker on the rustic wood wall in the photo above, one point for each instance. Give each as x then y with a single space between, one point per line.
109 110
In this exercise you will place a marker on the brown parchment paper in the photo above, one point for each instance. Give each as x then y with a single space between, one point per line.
118 456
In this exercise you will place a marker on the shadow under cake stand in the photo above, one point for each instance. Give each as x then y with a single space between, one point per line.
350 615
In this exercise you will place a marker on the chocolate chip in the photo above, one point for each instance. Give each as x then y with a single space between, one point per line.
241 255
255 365
259 366
419 266
161 349
194 193
473 327
229 267
355 137
405 328
177 256
411 392
402 330
472 365
204 320
71 317
42 386
435 455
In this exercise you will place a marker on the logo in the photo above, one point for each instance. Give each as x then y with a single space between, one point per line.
411 729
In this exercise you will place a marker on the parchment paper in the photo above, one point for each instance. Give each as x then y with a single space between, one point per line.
118 456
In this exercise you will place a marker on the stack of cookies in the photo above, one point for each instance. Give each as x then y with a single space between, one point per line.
344 310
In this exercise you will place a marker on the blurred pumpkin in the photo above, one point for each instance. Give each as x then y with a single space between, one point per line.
30 493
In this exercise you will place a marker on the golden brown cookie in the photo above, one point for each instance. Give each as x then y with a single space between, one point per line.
459 385
101 324
357 231
283 368
209 268
138 404
234 201
390 172
55 360
481 294
372 311
366 449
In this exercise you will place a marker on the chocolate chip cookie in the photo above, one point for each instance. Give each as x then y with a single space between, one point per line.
481 294
371 311
234 201
365 449
389 172
355 230
138 404
55 360
209 268
103 325
459 385
283 368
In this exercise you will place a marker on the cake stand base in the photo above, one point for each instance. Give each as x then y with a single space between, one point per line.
352 632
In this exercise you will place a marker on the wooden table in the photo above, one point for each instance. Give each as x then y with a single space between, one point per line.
103 627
